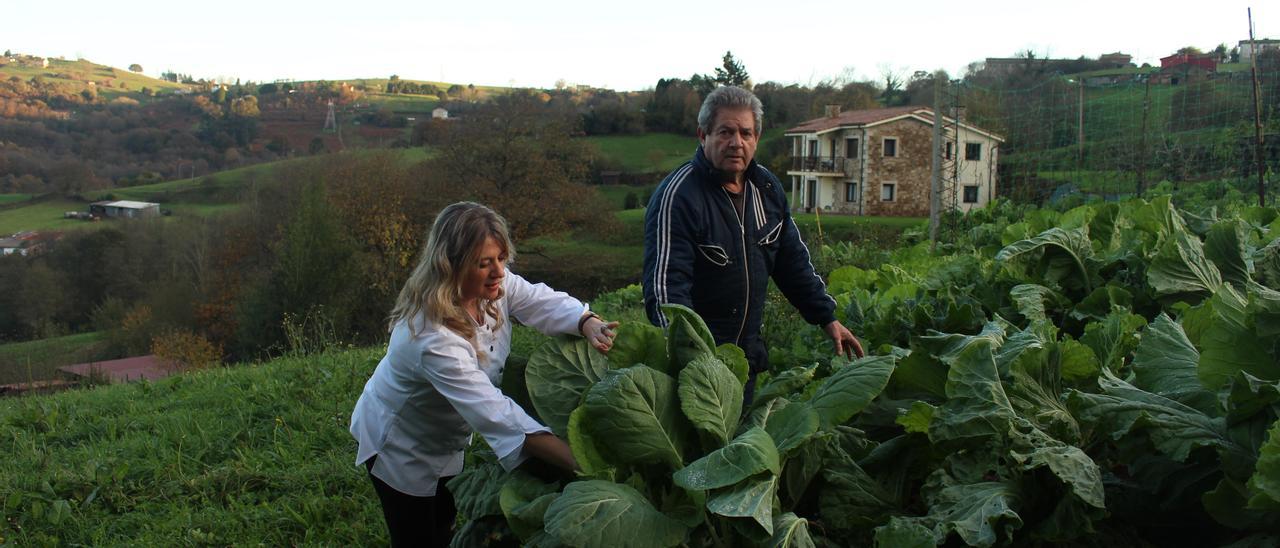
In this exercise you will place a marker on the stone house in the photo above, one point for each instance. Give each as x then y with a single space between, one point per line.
879 162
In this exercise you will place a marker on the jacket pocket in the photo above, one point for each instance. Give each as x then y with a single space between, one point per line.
714 253
772 235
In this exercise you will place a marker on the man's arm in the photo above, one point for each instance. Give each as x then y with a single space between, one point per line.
668 248
800 283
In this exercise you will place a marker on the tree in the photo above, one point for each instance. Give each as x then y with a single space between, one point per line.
892 95
135 68
517 155
245 107
732 73
8 53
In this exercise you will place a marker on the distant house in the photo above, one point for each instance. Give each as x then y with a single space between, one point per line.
1206 61
124 209
1182 74
1116 60
1250 48
879 162
439 113
23 243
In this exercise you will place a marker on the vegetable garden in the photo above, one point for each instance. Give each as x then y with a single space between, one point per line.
1103 376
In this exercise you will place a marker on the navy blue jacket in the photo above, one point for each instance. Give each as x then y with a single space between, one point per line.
698 253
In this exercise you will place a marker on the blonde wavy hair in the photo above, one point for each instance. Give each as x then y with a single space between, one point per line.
434 289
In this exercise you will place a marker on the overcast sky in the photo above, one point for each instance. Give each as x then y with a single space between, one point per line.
500 42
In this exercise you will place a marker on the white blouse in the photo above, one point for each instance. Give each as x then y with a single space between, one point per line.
432 390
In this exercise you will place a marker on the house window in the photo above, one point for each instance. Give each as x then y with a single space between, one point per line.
813 149
887 192
890 147
948 153
970 194
973 151
850 148
851 192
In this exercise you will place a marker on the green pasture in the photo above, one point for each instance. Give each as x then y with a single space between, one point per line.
248 455
648 152
78 74
403 103
616 195
44 215
13 198
39 360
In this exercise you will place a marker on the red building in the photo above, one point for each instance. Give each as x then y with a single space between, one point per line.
1206 62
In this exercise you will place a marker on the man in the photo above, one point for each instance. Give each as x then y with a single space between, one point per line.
718 228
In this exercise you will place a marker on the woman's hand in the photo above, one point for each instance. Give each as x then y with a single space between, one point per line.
599 333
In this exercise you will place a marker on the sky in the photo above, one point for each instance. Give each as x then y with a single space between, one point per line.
618 45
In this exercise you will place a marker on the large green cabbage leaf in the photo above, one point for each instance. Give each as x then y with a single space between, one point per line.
790 531
1073 245
1165 364
1228 343
1225 247
687 336
848 391
711 397
1180 268
638 343
1173 428
558 374
751 498
749 454
600 513
1265 483
634 417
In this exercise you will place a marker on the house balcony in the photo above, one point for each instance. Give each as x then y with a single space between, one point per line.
825 165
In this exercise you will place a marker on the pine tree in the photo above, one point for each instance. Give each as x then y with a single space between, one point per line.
733 73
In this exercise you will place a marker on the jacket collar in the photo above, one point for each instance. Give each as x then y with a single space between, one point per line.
715 176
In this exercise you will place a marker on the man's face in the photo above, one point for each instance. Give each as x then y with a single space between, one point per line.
732 142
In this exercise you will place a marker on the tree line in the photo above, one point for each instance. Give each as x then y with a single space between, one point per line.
319 252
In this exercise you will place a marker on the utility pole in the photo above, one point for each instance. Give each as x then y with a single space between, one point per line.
935 192
1257 117
1142 146
1080 118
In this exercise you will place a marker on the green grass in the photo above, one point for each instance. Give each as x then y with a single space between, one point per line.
39 360
649 152
255 455
422 104
657 152
78 74
616 195
45 215
13 198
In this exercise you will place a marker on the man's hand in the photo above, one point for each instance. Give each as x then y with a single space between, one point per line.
845 342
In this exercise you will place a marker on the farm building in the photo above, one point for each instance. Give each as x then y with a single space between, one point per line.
124 209
879 162
22 243
439 114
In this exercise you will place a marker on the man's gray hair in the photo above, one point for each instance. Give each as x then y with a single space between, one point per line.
729 97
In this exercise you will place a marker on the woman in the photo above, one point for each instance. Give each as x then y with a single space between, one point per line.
450 336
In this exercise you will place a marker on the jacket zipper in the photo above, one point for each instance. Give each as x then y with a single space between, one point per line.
746 270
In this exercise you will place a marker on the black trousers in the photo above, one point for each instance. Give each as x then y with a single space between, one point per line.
416 521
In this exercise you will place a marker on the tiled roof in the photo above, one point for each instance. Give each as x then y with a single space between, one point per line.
125 370
857 118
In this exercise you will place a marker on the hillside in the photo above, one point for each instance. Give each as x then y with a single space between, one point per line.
82 74
255 454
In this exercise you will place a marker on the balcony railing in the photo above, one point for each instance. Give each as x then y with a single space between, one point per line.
824 164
